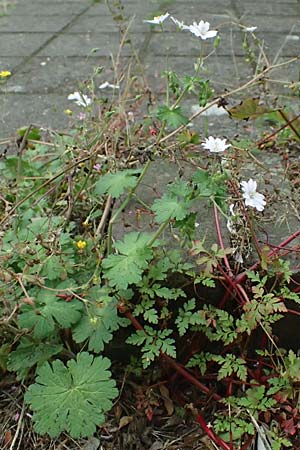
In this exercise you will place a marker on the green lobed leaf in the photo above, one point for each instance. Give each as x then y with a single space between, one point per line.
47 311
34 133
168 207
28 353
115 184
127 267
53 268
99 322
71 398
173 116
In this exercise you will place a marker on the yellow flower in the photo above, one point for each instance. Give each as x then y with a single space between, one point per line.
68 112
81 245
5 73
85 223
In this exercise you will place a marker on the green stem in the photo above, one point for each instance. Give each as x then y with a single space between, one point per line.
197 70
161 131
123 206
158 232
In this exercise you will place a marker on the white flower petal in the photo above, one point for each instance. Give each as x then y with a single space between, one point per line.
106 84
158 19
80 99
202 30
250 29
251 197
238 258
215 145
210 34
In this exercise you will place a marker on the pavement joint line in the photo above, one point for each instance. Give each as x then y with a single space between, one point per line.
52 38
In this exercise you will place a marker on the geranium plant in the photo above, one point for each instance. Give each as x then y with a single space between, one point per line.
70 280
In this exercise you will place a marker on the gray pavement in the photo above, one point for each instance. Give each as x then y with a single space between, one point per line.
52 47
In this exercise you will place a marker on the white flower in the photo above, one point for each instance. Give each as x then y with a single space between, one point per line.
106 84
158 20
230 222
215 145
250 29
238 258
202 30
252 198
80 99
180 24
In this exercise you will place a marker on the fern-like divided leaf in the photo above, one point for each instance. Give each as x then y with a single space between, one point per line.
73 398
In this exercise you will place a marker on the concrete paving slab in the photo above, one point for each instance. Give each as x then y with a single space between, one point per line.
43 110
29 24
98 23
22 44
85 44
162 172
263 22
231 43
223 72
271 8
10 62
138 24
58 75
36 8
67 30
181 10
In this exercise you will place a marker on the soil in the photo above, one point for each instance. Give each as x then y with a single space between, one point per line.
143 418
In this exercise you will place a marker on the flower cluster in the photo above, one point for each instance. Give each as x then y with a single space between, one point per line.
251 196
200 29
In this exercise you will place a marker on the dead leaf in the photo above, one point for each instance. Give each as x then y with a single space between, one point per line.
157 445
118 412
28 301
166 399
247 109
92 444
7 437
124 421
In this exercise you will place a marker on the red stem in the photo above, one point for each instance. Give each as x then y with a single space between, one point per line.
240 278
233 286
174 364
211 434
190 377
246 446
292 311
